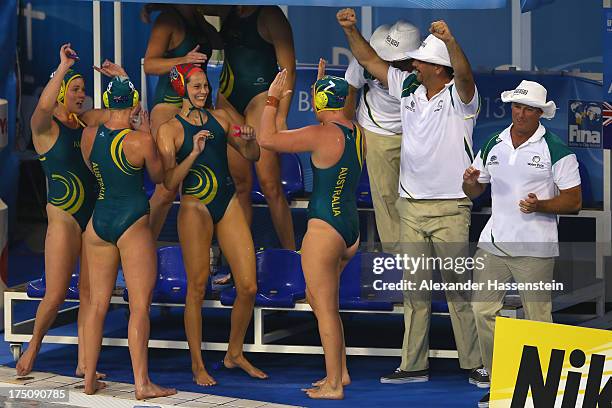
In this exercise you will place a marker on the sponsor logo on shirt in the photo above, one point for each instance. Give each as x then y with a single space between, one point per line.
439 106
535 162
410 106
493 161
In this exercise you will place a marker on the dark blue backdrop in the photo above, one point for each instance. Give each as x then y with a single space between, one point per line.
8 161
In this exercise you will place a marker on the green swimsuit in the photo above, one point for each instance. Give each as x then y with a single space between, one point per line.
249 65
121 195
164 92
209 179
70 185
333 197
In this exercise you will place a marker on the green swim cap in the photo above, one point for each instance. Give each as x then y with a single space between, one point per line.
330 93
120 94
68 77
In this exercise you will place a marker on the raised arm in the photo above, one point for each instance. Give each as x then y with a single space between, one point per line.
42 118
175 173
95 117
464 79
278 32
351 103
269 136
240 137
159 42
360 48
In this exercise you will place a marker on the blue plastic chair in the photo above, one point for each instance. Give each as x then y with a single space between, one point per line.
292 179
280 280
352 286
38 287
364 194
171 284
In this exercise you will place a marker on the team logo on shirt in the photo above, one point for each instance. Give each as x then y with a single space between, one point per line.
439 106
410 106
535 162
493 160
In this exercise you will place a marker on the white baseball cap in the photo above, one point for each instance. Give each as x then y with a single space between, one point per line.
392 43
432 50
532 94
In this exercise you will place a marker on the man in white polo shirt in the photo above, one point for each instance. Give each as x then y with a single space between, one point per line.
379 115
533 177
437 123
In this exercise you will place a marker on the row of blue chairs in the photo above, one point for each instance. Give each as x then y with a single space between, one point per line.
292 180
280 282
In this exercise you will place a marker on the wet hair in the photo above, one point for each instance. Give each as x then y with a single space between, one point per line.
150 8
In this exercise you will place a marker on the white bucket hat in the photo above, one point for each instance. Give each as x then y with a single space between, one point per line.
531 94
392 43
432 50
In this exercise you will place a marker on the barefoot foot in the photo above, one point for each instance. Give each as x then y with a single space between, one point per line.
242 362
93 387
79 372
151 390
201 377
346 380
26 362
325 392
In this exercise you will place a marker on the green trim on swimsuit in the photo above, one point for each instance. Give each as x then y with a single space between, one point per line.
209 179
121 196
334 190
250 63
70 185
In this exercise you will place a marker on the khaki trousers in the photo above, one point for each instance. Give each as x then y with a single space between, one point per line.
488 303
383 160
437 228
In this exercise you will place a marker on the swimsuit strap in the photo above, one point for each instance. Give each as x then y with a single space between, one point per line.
76 118
200 112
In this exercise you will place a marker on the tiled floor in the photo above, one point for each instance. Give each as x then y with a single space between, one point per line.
116 395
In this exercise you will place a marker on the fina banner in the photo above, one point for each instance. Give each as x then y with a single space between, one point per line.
546 365
584 124
607 125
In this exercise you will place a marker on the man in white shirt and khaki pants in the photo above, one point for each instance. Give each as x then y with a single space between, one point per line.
438 118
534 176
379 115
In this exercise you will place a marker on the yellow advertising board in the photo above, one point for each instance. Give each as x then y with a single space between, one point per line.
545 365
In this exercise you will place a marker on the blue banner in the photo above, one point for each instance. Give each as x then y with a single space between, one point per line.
529 5
607 88
9 164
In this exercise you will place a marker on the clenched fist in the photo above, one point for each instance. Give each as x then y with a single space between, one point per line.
347 18
440 29
470 176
